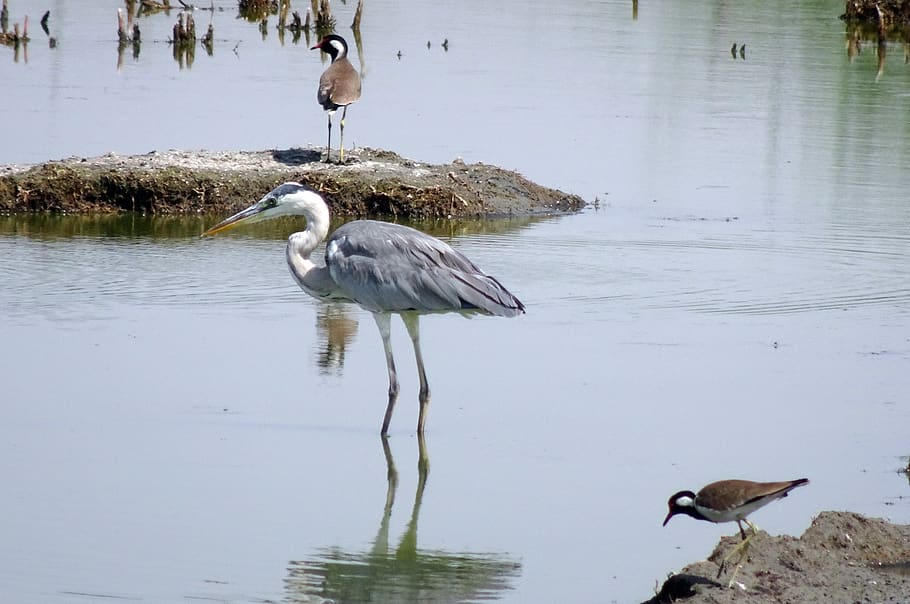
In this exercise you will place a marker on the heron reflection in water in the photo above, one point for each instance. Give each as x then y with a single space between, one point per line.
385 268
402 571
335 329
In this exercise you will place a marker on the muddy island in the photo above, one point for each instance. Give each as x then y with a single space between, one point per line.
842 557
371 182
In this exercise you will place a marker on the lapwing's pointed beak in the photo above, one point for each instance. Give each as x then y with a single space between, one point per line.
667 519
240 217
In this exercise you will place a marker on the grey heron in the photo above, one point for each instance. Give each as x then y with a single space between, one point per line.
339 85
383 267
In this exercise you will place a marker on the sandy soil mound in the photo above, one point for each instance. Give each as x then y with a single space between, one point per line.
370 182
842 557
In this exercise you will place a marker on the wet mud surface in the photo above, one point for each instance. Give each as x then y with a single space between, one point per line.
371 182
842 557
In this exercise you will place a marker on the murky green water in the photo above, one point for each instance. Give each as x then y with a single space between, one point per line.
179 421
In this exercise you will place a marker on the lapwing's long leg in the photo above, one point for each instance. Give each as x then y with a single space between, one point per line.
328 147
341 131
742 548
739 565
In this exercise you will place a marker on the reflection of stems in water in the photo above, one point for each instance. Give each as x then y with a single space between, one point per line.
295 26
882 52
14 38
256 10
357 14
208 40
184 40
306 28
123 35
358 42
283 8
873 24
150 7
325 22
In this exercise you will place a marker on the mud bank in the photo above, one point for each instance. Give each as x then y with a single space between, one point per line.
372 182
842 557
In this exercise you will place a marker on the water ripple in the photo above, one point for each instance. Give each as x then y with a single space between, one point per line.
86 278
719 272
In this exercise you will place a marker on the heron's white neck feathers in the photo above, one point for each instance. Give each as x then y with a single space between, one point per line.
310 205
301 244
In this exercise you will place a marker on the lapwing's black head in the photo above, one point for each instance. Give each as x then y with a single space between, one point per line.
334 45
682 503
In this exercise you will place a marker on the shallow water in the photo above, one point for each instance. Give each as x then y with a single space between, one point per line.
179 421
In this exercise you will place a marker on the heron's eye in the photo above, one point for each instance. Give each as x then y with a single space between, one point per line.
271 202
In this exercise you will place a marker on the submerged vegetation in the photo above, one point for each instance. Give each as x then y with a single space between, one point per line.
317 18
887 14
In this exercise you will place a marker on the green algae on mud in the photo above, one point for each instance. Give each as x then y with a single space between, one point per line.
371 182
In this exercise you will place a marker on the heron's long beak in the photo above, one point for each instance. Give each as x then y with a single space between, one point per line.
243 216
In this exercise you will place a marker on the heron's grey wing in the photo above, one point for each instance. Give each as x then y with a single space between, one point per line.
390 267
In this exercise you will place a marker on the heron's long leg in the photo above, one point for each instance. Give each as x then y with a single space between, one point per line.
384 323
341 131
412 323
328 147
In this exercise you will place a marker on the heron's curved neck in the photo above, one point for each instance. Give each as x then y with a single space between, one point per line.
302 244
